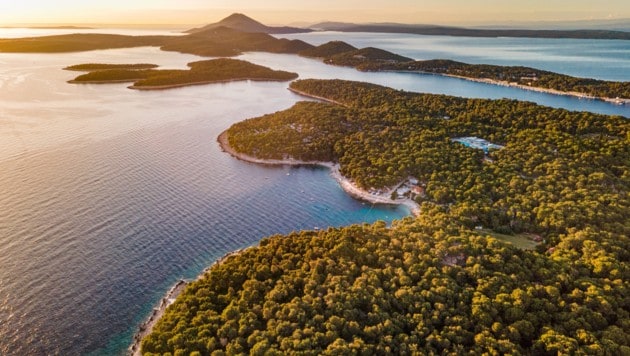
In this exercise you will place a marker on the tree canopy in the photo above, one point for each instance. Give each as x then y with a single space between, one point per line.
431 284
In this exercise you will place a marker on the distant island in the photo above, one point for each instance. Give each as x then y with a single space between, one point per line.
201 72
77 42
90 67
222 41
233 36
432 30
374 59
440 283
52 27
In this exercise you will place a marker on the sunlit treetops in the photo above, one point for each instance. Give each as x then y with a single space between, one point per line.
434 283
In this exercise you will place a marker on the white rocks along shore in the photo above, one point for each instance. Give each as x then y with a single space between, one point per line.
384 197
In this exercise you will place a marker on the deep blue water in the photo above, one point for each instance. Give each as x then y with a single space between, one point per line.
108 196
92 242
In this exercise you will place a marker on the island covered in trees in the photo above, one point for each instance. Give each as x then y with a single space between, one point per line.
374 59
512 75
435 283
201 72
433 30
90 67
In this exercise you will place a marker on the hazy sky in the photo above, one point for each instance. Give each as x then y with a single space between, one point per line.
288 11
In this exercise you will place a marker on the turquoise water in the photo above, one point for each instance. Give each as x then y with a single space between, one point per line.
108 196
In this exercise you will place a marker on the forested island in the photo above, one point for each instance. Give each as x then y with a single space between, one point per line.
435 283
433 30
201 72
374 59
509 75
91 67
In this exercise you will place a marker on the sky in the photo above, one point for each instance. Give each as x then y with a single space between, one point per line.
275 12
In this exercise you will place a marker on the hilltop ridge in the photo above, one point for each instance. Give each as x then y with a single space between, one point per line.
245 23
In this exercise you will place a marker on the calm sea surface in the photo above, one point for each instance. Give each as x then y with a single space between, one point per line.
109 195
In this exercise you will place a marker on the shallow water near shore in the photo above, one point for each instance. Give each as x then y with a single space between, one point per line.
108 196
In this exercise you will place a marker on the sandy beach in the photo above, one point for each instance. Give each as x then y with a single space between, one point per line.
347 185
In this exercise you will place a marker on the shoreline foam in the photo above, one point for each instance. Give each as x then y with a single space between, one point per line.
147 326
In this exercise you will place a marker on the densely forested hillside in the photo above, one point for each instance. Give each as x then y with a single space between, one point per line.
559 169
359 57
214 70
431 284
421 287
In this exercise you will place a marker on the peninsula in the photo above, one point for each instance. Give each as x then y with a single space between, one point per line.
521 77
201 72
374 59
441 282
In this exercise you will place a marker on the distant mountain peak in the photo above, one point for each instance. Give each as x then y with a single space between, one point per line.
237 16
244 23
240 20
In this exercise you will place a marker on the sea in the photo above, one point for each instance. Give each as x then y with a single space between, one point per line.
109 196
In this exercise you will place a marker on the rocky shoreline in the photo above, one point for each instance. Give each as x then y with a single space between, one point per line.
147 326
